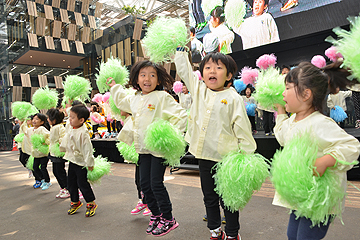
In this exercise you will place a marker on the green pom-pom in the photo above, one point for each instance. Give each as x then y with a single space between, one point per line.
316 198
163 37
348 45
162 137
112 68
23 110
269 88
45 98
237 176
30 163
208 5
19 137
75 86
101 167
113 107
37 141
55 149
235 11
128 152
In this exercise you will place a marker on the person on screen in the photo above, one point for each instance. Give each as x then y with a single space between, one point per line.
286 5
211 43
260 28
197 47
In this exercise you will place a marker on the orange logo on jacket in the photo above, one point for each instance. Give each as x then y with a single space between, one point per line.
151 107
224 101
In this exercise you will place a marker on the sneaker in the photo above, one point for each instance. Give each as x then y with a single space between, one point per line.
74 207
154 221
289 4
272 134
64 194
58 195
147 212
46 185
139 207
221 236
255 132
223 220
42 182
357 124
80 195
37 184
164 227
238 237
267 134
30 174
90 209
107 135
205 218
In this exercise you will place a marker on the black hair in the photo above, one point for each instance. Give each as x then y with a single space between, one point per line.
81 111
164 79
192 30
250 87
218 12
55 114
43 118
284 66
228 61
338 77
76 102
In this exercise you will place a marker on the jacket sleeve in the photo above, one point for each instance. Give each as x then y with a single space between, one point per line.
120 97
279 128
184 70
174 113
87 149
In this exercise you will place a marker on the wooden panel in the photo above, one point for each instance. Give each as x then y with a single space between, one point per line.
120 48
98 8
78 19
25 80
71 32
56 3
113 51
11 82
65 45
33 41
85 37
43 82
64 16
57 29
17 93
49 41
92 22
127 44
167 66
85 7
71 5
58 82
107 54
99 33
40 1
137 29
49 12
33 90
103 55
142 50
139 59
79 47
31 6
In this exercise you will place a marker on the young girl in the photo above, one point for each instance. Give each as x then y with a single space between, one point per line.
94 119
146 106
57 132
248 99
305 91
40 126
218 124
24 146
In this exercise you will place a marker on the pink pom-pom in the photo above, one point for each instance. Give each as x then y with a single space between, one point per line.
198 73
106 97
108 118
95 119
97 98
177 87
319 61
102 119
333 54
248 75
266 61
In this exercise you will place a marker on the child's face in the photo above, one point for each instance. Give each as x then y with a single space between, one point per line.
293 101
258 7
147 79
29 122
215 75
36 121
248 92
75 121
51 122
184 89
285 71
214 21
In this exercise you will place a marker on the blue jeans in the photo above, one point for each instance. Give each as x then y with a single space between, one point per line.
301 229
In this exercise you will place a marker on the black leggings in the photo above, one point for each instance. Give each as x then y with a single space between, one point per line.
42 172
60 173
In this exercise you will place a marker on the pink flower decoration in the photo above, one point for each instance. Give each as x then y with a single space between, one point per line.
106 97
266 61
319 61
333 54
95 119
177 87
97 98
248 75
108 118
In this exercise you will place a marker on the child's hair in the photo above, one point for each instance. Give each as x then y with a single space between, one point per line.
218 12
164 79
284 66
192 30
81 111
43 118
228 61
76 102
249 86
55 114
337 76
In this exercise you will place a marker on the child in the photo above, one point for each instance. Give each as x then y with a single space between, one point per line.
40 126
94 119
24 156
217 26
149 104
248 99
57 132
218 124
185 99
79 152
338 99
305 91
260 28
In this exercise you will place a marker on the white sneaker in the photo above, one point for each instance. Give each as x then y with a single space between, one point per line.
59 194
65 194
30 174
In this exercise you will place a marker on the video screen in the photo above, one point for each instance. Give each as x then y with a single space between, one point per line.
265 22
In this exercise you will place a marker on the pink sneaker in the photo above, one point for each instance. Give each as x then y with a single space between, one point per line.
80 195
147 211
58 195
164 227
65 194
139 207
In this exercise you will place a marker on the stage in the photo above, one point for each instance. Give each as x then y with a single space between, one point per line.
266 146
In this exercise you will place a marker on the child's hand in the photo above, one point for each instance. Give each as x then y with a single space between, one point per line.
91 168
280 109
110 82
322 163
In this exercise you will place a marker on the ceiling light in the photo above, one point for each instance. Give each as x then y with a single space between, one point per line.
63 73
30 56
31 70
63 60
48 71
